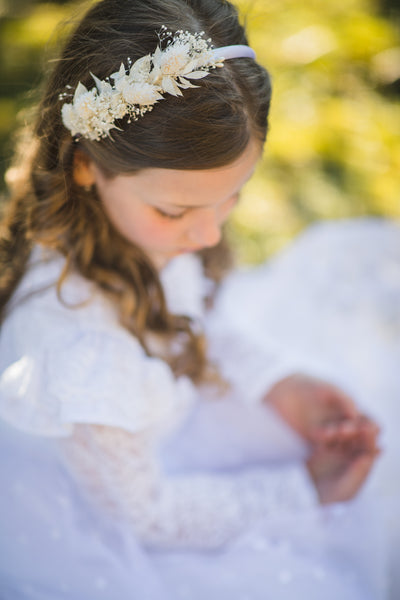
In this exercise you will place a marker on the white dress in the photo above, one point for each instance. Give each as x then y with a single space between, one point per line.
119 481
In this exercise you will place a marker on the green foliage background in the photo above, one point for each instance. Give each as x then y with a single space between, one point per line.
334 144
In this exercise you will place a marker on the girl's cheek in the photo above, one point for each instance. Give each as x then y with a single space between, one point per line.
157 230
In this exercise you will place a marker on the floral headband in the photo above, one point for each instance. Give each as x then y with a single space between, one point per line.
135 90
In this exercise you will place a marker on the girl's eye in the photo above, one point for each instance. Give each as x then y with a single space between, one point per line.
168 215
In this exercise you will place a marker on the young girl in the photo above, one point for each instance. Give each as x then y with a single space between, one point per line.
150 448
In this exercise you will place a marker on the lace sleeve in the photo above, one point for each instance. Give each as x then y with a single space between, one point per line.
121 471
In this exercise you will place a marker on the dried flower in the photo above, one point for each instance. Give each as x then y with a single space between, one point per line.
135 89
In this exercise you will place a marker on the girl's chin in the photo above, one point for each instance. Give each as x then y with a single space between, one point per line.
160 260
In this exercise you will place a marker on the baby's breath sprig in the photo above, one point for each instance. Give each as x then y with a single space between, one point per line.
135 89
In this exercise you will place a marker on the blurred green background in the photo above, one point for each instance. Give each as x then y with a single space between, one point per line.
334 144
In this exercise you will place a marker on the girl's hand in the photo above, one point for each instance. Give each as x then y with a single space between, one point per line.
308 404
342 459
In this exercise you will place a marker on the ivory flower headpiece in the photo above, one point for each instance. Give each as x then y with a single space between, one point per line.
134 90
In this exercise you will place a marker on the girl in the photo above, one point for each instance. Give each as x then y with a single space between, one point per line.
139 461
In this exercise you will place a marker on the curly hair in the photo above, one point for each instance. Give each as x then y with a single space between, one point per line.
47 207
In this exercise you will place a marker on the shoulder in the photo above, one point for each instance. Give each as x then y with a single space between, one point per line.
62 365
183 281
78 300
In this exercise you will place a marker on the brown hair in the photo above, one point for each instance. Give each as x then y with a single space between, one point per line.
209 127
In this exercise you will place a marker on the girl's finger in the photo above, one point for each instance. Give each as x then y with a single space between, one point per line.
343 401
356 474
328 436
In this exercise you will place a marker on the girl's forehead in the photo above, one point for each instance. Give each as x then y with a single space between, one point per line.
183 186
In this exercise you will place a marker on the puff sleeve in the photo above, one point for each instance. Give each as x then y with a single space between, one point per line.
93 376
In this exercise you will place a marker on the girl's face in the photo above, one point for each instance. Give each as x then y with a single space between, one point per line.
168 212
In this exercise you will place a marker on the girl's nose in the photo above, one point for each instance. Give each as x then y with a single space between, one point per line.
206 229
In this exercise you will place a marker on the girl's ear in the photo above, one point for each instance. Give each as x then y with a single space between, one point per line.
82 171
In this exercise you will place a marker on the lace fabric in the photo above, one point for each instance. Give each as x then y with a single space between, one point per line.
121 474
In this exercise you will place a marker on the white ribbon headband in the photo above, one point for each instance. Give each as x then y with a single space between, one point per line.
237 51
134 90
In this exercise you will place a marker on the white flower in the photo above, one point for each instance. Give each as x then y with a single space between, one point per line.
85 102
93 113
173 60
70 119
117 105
139 93
140 70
